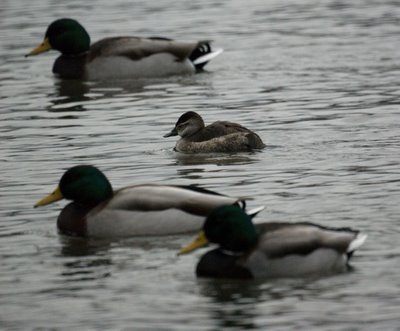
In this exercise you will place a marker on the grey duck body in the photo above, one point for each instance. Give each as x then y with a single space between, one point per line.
286 250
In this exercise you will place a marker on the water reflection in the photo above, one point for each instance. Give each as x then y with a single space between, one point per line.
244 304
69 95
125 85
217 159
89 259
80 247
74 95
235 302
85 259
330 116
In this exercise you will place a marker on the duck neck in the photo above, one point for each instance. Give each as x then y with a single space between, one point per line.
71 66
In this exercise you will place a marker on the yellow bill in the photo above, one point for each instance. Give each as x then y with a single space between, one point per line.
53 197
198 242
43 47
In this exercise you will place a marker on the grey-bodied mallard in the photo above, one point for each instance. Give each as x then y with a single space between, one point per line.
97 210
120 57
271 249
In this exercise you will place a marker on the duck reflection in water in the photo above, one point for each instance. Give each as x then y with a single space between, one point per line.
233 302
69 96
85 260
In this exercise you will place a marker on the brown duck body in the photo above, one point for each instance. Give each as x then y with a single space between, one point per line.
220 136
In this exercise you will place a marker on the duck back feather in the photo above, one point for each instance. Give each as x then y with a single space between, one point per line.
301 249
153 209
159 197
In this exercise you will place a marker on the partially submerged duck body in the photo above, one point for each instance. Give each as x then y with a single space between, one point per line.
218 137
120 57
270 250
97 210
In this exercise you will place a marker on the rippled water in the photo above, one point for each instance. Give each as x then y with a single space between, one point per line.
317 80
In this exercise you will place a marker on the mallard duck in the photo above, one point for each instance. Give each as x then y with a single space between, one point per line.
97 210
120 57
271 249
220 136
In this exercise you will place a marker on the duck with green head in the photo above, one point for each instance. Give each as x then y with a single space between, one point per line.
97 210
271 249
120 57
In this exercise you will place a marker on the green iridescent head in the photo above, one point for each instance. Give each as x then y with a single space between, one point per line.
231 228
83 184
65 35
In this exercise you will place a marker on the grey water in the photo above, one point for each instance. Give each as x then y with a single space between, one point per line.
318 80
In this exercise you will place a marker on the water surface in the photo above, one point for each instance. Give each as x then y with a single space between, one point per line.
318 82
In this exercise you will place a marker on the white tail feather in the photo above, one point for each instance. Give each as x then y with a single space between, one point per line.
208 57
357 242
255 211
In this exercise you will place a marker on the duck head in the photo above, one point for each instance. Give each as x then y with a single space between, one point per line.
188 124
65 35
83 184
229 227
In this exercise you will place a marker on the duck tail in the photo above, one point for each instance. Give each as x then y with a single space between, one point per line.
203 53
356 243
241 203
252 213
